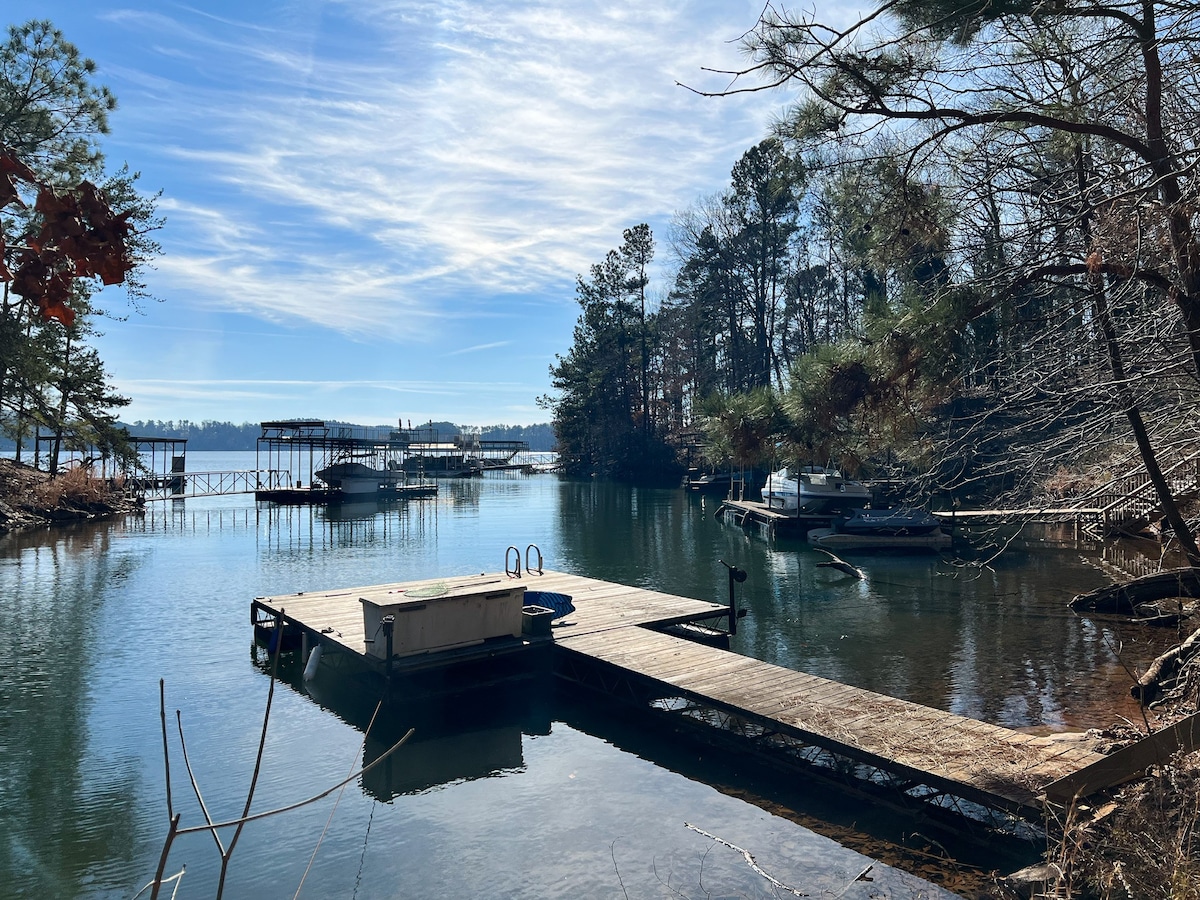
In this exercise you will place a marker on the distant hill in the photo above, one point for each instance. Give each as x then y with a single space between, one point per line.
209 435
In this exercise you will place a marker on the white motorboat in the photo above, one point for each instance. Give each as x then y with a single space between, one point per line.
355 478
813 490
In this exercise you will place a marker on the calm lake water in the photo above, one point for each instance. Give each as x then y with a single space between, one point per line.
526 793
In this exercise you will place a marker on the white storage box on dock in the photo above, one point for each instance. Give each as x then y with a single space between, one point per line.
427 619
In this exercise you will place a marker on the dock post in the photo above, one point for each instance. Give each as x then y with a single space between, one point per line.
388 623
736 575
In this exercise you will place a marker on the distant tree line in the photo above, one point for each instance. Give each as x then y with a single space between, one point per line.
210 435
205 435
540 437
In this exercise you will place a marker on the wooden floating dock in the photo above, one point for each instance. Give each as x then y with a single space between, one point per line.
993 766
335 618
754 512
614 642
1077 514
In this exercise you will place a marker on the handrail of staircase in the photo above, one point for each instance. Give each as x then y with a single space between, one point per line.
1143 481
1139 472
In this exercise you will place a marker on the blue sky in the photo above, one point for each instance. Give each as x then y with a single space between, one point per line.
376 209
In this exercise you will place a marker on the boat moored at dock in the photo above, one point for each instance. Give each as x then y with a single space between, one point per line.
907 528
353 478
813 490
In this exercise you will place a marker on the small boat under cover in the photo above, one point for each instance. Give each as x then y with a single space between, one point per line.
355 478
907 528
902 521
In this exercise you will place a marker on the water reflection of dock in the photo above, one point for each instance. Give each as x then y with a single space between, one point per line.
615 643
477 734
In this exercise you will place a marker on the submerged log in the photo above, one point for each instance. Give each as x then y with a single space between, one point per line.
1125 598
1161 674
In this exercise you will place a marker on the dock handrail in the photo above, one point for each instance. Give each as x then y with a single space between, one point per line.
529 568
185 485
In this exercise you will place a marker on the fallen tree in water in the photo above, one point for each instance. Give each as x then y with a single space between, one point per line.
1127 598
1176 673
1173 672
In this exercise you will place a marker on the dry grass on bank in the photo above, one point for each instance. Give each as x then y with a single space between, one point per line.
74 488
1140 844
30 498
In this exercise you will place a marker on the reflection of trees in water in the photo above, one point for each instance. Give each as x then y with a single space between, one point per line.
993 642
69 823
997 644
648 537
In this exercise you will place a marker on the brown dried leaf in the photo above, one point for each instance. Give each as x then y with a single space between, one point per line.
113 267
8 192
10 165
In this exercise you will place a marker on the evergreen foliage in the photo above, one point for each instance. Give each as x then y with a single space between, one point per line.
58 233
609 416
969 252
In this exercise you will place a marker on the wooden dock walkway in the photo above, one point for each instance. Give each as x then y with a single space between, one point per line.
610 642
1043 514
335 617
996 767
755 512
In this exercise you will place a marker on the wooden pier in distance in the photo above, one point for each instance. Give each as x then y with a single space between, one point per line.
614 642
753 512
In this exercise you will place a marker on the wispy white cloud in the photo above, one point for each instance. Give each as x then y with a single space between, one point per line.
392 185
478 347
369 176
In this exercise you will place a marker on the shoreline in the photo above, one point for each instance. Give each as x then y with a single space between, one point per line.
30 499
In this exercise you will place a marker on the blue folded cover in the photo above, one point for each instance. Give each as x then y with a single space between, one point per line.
560 603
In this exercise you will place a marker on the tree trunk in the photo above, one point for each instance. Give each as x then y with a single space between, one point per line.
1116 361
61 424
1161 674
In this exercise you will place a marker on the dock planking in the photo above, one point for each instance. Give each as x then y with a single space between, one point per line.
986 763
613 625
335 616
